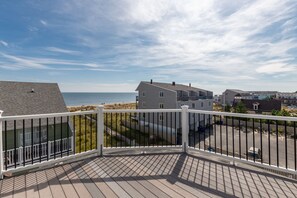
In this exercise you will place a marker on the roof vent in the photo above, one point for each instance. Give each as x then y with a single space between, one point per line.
173 83
151 81
32 91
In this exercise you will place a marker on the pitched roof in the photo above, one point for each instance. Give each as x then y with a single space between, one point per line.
25 98
264 105
175 87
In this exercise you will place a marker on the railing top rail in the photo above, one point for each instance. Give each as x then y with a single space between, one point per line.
51 115
241 115
141 110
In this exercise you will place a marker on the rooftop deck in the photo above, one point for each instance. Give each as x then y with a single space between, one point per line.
149 175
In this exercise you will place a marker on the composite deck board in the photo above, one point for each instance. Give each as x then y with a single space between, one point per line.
115 186
31 186
157 185
167 165
19 187
104 188
118 171
145 188
7 188
151 175
68 188
43 186
76 182
92 188
56 188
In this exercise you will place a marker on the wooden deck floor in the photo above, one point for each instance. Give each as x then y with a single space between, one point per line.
156 175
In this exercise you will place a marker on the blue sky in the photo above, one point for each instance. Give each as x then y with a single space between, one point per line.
97 45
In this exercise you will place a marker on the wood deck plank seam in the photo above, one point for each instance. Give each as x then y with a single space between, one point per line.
114 183
169 177
143 182
61 175
108 192
85 167
54 187
78 186
91 187
123 168
143 172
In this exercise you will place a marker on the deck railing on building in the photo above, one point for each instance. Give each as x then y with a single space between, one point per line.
262 140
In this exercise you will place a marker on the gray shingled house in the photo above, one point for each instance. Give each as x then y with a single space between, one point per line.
156 95
26 98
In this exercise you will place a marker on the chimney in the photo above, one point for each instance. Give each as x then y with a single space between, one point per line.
190 85
151 81
173 83
32 91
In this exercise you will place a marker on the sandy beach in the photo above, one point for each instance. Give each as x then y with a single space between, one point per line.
129 105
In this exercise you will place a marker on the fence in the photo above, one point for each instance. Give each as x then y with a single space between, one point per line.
34 140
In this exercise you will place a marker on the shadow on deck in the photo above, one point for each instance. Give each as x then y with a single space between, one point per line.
150 175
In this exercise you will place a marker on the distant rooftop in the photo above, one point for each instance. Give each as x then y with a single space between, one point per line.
174 86
25 98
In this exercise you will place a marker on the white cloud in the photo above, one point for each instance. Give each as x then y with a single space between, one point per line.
276 68
217 35
3 43
60 50
43 22
16 62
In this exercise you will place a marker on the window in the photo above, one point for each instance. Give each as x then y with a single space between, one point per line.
143 94
209 103
143 104
161 106
256 106
35 136
161 117
161 94
193 105
201 104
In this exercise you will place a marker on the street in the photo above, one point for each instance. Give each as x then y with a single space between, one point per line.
221 133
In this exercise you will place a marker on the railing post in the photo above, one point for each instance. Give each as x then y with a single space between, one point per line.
185 127
100 129
49 146
1 147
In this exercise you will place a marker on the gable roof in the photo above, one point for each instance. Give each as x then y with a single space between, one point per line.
18 98
175 87
264 105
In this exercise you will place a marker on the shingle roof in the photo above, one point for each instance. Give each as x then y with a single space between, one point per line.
264 105
175 87
17 98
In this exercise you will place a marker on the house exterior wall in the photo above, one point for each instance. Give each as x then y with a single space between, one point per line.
152 100
228 97
19 134
169 127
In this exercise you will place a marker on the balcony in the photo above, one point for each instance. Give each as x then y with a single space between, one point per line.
187 98
152 153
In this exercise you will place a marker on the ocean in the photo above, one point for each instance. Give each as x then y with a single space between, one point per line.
78 99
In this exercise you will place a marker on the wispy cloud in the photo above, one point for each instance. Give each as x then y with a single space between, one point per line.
3 43
43 22
21 62
60 50
214 43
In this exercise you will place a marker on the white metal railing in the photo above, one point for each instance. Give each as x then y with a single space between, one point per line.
29 152
34 154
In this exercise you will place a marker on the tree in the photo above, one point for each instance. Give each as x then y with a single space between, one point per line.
228 108
240 107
